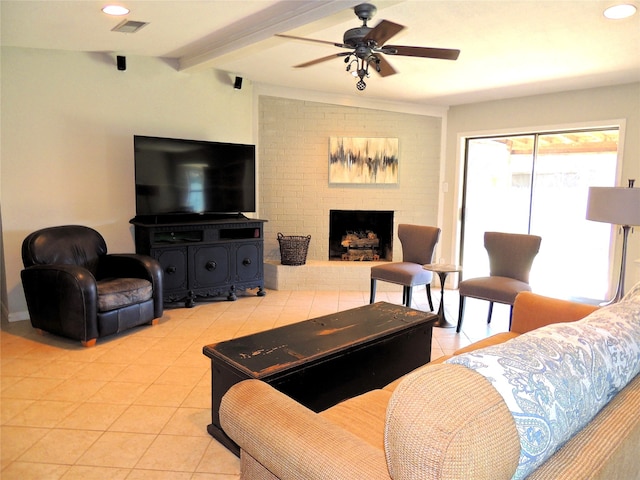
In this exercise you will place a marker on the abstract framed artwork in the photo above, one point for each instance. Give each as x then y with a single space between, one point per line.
363 160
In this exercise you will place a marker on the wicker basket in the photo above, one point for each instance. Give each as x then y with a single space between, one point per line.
293 249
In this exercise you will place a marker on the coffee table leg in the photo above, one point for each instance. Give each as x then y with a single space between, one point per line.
216 432
222 379
442 321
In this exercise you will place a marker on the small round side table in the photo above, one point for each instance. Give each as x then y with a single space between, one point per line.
442 269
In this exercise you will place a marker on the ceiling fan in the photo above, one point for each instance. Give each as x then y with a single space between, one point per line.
365 44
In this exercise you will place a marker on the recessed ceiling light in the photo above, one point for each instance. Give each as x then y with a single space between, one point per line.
115 10
618 12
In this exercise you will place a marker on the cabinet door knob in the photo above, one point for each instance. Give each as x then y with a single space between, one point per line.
211 265
170 269
246 261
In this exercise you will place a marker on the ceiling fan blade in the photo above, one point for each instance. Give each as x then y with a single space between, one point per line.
425 52
385 67
341 45
383 32
323 59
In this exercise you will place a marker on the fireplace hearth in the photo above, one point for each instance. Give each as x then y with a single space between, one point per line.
360 235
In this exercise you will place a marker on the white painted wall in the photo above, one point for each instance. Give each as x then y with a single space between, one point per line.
68 121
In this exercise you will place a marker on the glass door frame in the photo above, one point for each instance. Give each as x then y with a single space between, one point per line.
460 179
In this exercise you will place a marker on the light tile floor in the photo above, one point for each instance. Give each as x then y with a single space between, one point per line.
136 405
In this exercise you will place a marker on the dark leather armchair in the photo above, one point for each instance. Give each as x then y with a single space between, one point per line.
75 289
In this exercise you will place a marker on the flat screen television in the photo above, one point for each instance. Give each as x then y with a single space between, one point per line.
177 177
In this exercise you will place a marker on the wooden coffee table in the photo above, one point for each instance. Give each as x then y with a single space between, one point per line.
325 360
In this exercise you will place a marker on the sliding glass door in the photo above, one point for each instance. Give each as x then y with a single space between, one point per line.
538 184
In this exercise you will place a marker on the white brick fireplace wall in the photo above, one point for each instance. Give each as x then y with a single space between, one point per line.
294 192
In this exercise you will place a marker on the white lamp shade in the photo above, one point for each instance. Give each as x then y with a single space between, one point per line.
616 205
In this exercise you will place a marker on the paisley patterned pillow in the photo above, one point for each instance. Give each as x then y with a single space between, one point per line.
557 378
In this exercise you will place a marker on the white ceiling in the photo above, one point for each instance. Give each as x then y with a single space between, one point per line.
508 48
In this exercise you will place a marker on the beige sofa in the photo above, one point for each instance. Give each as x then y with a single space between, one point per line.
442 421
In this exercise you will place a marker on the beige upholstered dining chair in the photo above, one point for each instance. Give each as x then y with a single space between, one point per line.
418 247
510 259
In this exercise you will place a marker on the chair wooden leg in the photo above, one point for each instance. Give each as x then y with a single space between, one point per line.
460 313
155 321
490 313
510 317
372 295
39 331
89 343
408 299
428 286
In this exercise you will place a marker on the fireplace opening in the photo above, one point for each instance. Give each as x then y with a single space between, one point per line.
360 235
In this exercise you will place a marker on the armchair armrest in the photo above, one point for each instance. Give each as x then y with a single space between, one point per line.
134 265
62 299
291 441
531 311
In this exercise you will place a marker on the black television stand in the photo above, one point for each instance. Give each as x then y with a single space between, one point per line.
204 255
180 218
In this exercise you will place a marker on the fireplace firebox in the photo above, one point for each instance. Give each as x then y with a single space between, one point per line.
361 235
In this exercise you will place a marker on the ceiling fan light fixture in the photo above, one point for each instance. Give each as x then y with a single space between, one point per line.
620 11
360 71
115 10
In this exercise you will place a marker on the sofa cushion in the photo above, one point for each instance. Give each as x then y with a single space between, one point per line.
448 422
606 449
492 340
362 415
531 311
119 292
487 342
393 385
292 441
557 378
